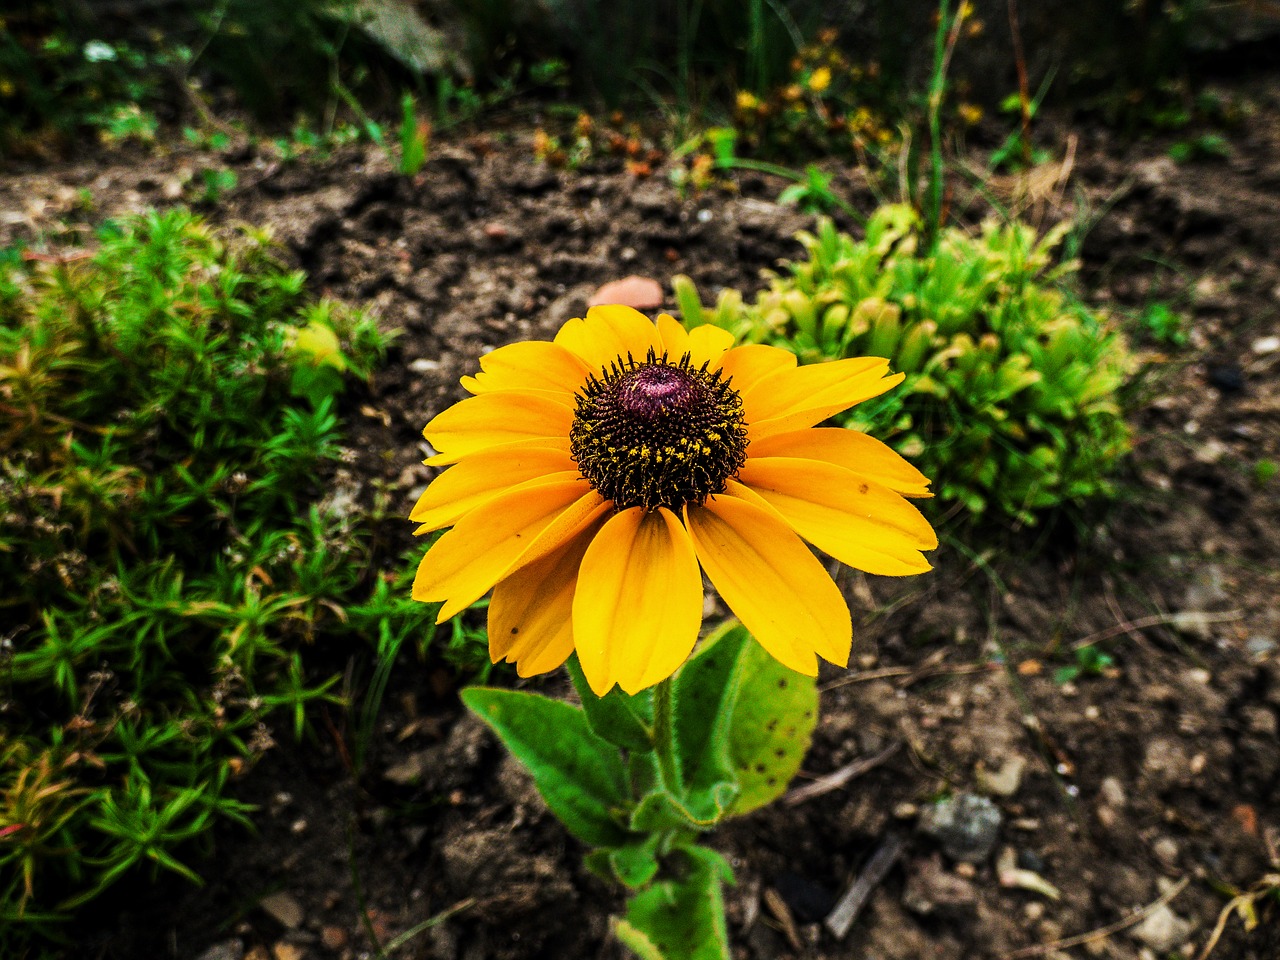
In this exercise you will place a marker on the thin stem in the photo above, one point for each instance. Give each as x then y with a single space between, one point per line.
664 740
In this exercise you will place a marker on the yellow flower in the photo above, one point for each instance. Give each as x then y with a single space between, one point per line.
820 79
595 478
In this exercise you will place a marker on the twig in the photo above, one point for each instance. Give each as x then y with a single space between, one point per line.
838 778
841 918
1155 620
1067 943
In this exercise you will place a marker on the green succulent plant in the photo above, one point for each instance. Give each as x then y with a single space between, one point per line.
1011 399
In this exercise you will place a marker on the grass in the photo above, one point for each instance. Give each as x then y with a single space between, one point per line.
174 563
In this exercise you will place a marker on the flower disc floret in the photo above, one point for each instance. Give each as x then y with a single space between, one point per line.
655 434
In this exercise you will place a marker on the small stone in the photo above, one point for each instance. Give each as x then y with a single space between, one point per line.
227 950
1112 792
286 951
966 825
1265 345
642 293
932 890
1166 851
905 811
283 908
1005 781
333 938
1163 930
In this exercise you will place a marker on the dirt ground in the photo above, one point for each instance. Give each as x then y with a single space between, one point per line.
1135 797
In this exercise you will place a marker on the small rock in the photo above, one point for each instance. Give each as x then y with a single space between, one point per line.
966 825
227 950
932 890
1259 648
642 293
1166 851
1265 345
286 951
409 770
283 908
1005 781
1163 930
333 938
1112 793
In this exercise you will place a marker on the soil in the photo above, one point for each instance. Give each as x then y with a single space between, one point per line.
1152 782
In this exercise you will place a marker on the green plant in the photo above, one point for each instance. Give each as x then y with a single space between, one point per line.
1207 146
170 559
1264 471
414 137
1089 662
1011 400
1164 324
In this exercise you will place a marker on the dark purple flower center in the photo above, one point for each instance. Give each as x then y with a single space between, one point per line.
654 433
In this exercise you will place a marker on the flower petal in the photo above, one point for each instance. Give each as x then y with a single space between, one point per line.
752 362
855 520
484 475
792 399
511 530
610 332
675 341
638 619
707 344
864 455
530 365
531 613
492 419
772 582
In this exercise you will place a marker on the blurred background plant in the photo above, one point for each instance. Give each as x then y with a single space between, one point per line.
177 570
1013 401
796 78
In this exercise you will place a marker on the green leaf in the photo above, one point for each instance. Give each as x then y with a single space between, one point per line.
705 693
771 727
681 918
615 717
659 810
633 864
579 775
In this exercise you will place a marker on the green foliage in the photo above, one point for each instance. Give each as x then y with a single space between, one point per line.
1164 324
640 777
1011 401
1089 662
56 81
165 554
414 136
1206 147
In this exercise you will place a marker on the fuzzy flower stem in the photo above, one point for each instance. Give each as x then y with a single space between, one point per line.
664 737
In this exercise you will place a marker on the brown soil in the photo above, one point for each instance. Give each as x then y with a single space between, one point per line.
1165 768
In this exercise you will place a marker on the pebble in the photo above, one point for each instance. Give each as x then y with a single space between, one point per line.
333 938
283 908
642 293
1166 851
1264 345
966 825
227 950
1162 930
932 890
1006 781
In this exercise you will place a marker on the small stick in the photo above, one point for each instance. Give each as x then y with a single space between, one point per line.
1041 949
838 778
1155 620
841 918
